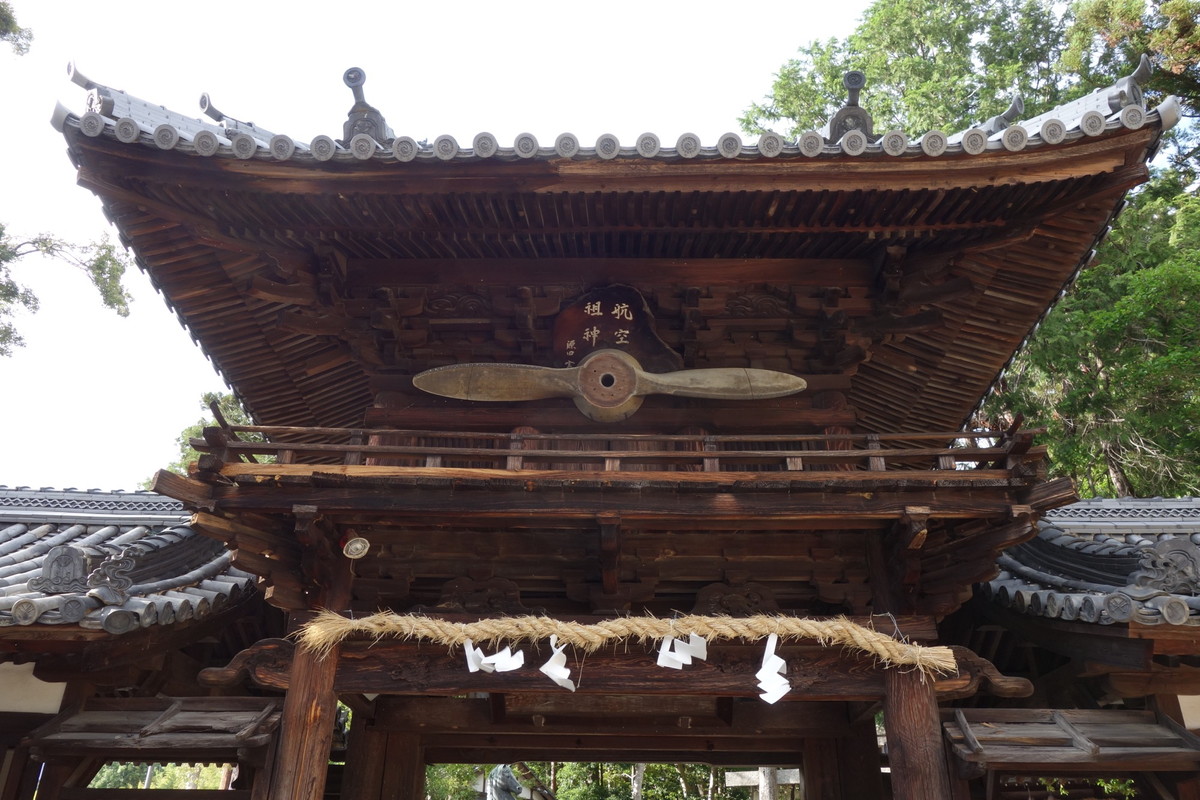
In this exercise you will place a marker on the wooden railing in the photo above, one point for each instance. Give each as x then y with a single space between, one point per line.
954 450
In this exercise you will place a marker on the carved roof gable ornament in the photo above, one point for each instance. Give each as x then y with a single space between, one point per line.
852 116
64 571
363 117
1171 565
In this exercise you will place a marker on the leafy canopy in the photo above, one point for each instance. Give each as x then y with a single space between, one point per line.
101 262
13 33
1114 371
930 64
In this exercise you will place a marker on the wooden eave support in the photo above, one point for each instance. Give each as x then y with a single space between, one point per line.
716 499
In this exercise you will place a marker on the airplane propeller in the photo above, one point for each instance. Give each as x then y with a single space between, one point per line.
608 385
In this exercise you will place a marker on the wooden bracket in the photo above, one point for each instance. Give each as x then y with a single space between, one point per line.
910 530
318 553
610 551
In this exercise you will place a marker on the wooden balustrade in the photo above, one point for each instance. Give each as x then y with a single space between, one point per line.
876 452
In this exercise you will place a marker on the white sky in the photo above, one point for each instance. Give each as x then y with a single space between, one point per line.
94 401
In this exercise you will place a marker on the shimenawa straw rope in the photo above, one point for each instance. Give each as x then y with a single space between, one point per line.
328 629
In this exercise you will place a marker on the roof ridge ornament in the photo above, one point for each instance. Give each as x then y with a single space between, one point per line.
852 116
363 117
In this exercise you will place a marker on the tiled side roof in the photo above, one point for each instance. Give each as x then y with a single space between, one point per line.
117 114
1108 561
109 561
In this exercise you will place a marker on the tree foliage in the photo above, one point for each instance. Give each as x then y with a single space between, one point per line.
18 37
930 64
101 262
229 408
162 776
1107 35
590 780
1113 372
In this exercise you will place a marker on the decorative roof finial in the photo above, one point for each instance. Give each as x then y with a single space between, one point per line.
850 117
363 117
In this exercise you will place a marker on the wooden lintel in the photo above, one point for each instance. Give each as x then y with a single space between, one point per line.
396 667
588 714
576 498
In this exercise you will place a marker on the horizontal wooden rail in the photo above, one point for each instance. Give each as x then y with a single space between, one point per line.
611 453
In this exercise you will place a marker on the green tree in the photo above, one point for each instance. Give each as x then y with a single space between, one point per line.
453 781
1105 36
219 404
930 64
1114 370
101 262
13 33
162 776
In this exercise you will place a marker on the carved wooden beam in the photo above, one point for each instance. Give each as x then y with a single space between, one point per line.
391 667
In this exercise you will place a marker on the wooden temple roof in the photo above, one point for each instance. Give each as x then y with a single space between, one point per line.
88 564
899 272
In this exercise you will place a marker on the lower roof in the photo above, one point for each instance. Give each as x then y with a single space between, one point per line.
107 561
1108 561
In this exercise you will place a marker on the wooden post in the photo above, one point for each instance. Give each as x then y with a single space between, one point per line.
365 758
309 709
404 769
910 711
914 736
859 760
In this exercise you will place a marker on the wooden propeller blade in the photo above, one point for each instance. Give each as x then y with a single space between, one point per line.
498 382
608 386
722 383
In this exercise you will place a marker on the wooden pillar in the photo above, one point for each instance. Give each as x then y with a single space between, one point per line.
914 737
404 768
310 706
21 776
916 754
859 760
819 773
366 754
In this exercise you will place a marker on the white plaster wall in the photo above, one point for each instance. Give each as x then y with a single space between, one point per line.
21 692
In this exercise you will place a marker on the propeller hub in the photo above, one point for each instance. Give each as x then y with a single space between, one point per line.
608 383
607 379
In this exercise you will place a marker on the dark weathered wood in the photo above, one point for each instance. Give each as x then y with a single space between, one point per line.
618 717
407 668
83 793
309 710
915 752
859 762
404 769
366 756
821 770
598 271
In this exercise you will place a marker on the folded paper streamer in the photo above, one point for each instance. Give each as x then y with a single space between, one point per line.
676 653
556 668
771 682
503 661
